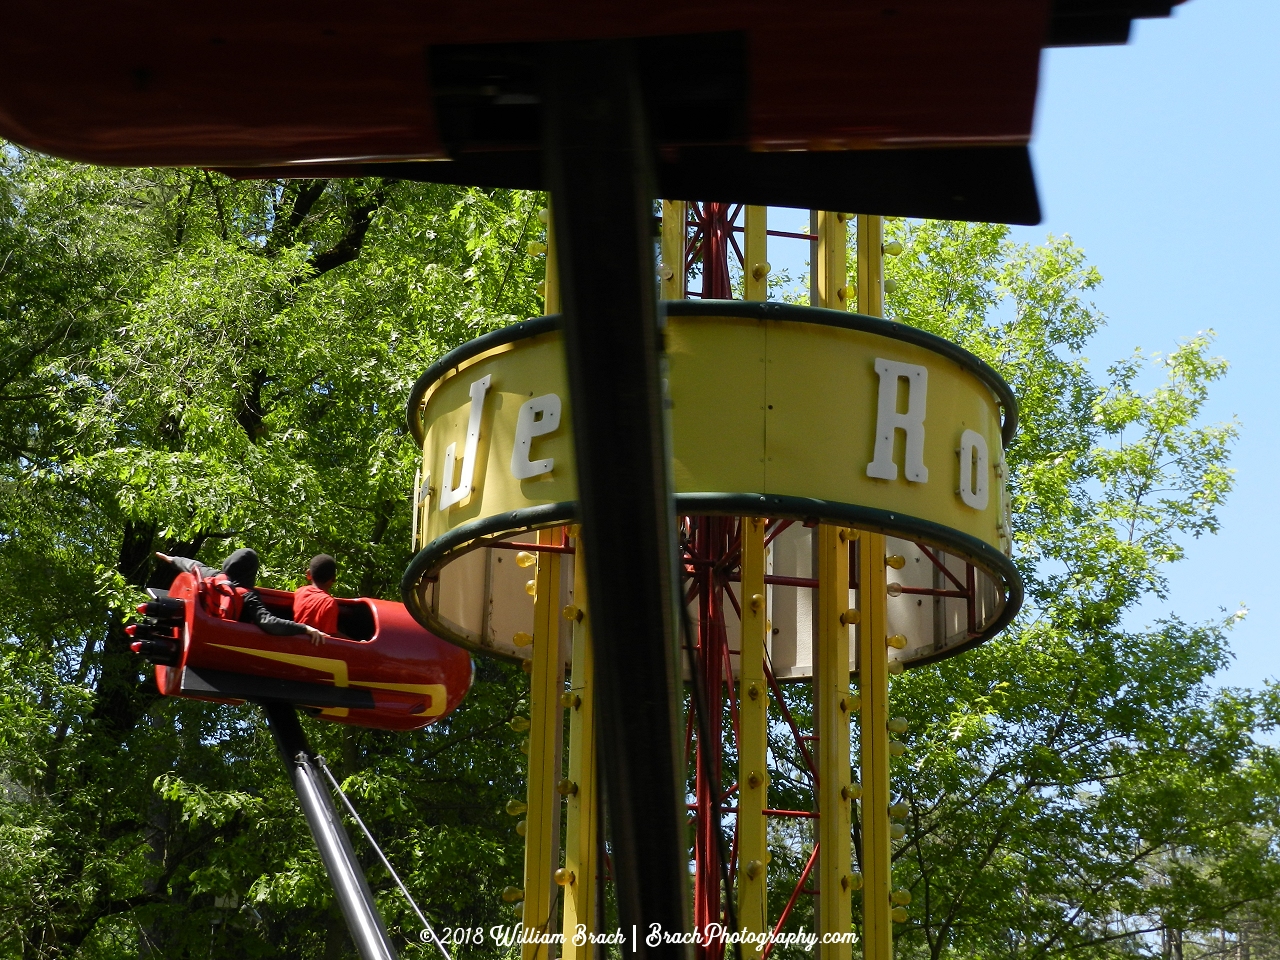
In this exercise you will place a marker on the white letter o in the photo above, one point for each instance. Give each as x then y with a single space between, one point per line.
973 470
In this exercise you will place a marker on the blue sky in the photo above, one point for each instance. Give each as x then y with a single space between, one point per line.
1159 158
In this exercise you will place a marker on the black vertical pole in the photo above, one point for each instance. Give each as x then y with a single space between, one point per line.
349 883
600 171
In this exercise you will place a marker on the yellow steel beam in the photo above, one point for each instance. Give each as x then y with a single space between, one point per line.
873 684
832 704
756 252
671 267
546 740
753 746
832 261
873 663
870 265
578 878
551 283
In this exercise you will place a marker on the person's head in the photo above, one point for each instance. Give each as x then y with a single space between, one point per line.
241 568
323 571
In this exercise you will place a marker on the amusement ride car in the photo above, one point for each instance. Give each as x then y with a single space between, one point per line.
383 671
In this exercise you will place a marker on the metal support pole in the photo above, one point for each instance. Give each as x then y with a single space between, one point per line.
873 664
600 170
870 265
582 821
546 740
873 683
756 251
551 281
832 705
340 863
753 735
675 214
708 542
832 261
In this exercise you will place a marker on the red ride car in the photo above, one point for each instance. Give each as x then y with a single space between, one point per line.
386 671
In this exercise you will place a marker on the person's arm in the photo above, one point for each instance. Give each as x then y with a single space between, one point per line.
256 612
186 565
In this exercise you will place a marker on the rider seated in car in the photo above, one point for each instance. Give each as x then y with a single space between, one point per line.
314 604
232 595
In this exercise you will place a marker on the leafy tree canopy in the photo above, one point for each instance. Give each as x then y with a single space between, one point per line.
193 364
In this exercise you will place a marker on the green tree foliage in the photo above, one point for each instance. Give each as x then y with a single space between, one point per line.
1079 786
191 364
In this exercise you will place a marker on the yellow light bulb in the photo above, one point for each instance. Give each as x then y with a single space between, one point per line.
895 561
512 894
525 559
522 639
531 588
897 748
897 725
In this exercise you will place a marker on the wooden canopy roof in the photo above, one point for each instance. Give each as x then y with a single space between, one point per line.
897 106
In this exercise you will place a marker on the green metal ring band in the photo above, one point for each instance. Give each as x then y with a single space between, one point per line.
433 556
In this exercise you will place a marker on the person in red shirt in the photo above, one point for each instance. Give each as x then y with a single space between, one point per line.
314 605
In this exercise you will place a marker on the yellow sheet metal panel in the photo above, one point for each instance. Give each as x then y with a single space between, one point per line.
759 406
717 384
518 373
822 410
